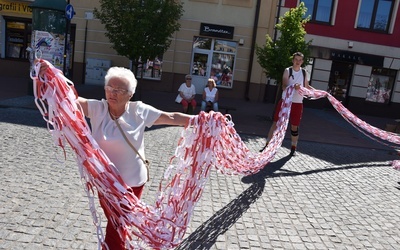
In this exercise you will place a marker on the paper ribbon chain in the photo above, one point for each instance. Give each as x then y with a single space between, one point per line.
209 140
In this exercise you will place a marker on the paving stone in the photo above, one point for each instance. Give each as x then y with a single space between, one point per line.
327 197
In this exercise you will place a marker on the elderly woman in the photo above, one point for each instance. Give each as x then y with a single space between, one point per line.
132 117
188 93
210 96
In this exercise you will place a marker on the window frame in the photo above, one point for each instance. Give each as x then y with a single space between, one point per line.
389 24
315 11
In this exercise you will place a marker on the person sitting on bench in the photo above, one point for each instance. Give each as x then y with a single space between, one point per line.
210 97
188 93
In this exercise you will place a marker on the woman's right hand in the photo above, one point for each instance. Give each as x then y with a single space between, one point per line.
43 66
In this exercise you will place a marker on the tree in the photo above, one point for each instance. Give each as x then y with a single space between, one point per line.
275 56
140 29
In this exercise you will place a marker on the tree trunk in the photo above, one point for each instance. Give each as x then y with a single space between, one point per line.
134 67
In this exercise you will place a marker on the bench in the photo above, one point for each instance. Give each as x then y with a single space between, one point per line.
220 107
225 108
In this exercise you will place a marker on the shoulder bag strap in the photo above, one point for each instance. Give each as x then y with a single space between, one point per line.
146 162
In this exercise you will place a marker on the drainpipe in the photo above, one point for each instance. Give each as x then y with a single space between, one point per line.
277 20
253 44
84 54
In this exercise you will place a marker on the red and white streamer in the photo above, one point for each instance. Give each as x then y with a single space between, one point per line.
209 140
374 133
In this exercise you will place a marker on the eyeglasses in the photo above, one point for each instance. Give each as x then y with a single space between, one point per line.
188 78
117 91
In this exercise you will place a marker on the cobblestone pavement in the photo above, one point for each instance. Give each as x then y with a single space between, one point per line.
326 197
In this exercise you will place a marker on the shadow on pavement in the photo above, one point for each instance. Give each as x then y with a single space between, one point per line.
268 171
206 235
27 117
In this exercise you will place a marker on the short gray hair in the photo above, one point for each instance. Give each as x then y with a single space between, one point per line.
123 73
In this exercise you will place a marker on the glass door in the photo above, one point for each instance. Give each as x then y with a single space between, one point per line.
213 58
340 80
199 71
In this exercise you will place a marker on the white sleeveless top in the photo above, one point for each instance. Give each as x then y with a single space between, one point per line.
210 95
297 77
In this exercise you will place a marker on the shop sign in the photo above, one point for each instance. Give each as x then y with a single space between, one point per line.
359 58
214 30
16 25
15 7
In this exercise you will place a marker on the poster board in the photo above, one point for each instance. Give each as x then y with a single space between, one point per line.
49 46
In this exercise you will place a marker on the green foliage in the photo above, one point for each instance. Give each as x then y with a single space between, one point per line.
274 57
140 28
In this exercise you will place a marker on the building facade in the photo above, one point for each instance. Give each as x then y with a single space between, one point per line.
356 52
355 47
216 39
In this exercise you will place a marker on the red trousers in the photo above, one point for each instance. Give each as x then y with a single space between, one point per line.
186 103
113 241
296 112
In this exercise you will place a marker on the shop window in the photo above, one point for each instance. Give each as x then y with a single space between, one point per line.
202 43
152 69
375 15
213 58
222 64
380 85
221 54
18 38
222 69
319 10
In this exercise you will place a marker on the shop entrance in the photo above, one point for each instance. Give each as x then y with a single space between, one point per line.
200 71
212 58
340 80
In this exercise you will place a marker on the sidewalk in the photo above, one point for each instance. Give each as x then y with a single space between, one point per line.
252 118
330 196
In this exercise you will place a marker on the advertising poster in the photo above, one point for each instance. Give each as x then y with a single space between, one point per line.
49 46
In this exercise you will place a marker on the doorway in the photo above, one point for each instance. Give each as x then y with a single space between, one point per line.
212 58
200 71
340 81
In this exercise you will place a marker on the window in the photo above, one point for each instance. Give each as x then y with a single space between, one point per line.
380 85
319 10
213 58
152 69
223 59
375 15
18 38
202 43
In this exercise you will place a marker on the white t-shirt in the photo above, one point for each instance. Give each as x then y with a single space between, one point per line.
105 131
297 78
188 92
210 95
